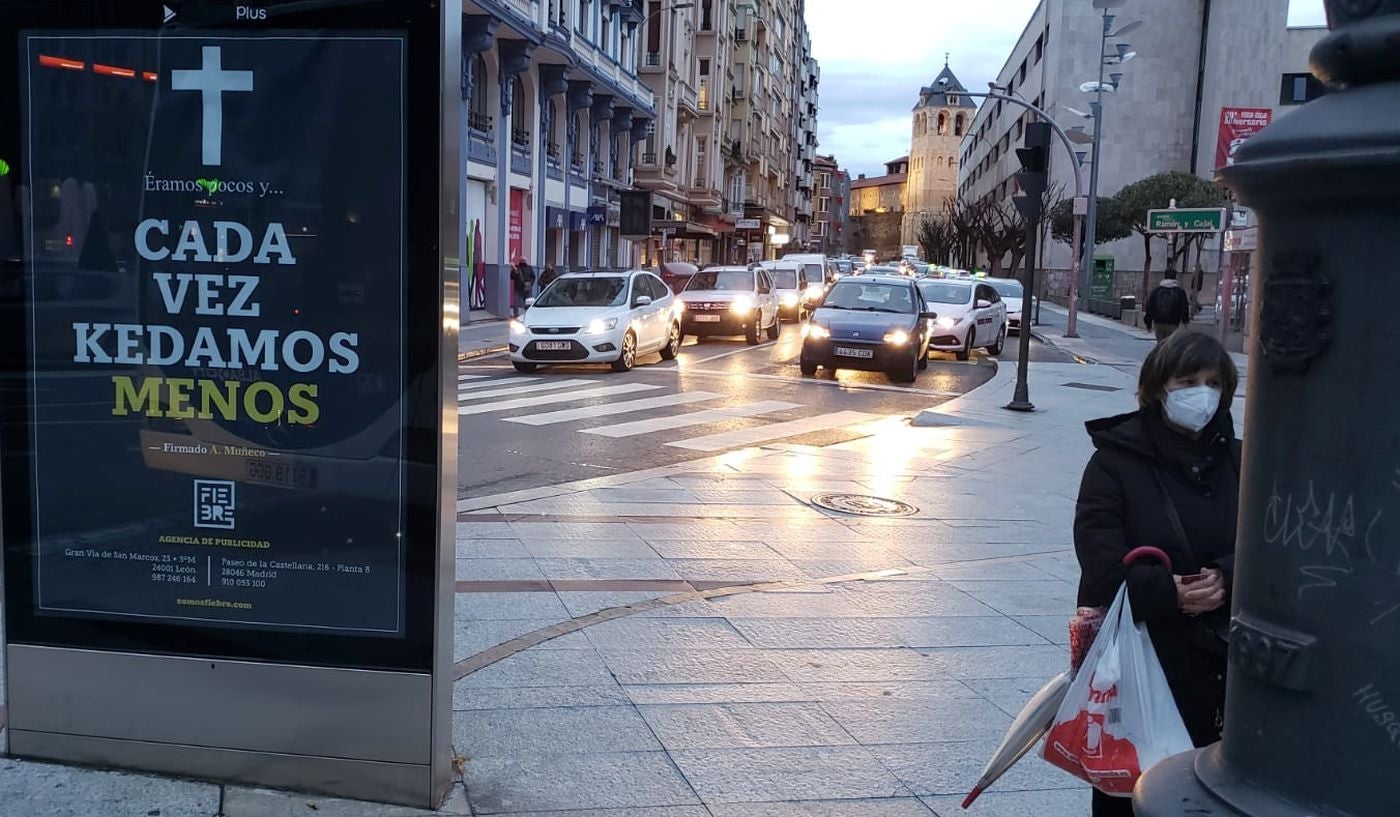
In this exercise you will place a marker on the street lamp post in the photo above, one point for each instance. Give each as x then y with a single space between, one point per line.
1096 109
996 92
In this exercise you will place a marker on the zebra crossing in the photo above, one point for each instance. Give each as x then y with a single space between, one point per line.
637 409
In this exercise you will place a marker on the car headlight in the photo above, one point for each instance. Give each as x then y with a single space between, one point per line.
898 337
790 299
518 328
598 326
815 290
948 323
680 306
815 330
741 305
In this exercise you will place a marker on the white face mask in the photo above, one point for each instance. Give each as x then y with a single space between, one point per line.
1192 408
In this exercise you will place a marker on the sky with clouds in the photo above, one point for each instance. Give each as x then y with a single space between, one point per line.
876 54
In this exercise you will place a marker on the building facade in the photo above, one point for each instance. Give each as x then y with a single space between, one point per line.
1194 58
554 107
877 210
830 217
941 118
804 134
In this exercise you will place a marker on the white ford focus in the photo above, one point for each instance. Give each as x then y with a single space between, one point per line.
604 317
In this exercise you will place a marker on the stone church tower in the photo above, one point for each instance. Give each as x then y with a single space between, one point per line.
941 117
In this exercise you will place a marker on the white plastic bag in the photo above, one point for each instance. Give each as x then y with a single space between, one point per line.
1118 718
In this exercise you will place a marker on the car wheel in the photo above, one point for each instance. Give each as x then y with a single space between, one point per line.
996 348
628 357
525 368
751 331
673 344
966 352
905 372
777 327
923 360
808 367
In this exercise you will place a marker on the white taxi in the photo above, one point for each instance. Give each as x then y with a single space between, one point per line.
604 317
970 315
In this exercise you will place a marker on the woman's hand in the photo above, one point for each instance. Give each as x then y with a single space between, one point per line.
1201 596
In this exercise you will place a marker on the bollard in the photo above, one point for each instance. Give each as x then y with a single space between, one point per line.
1312 716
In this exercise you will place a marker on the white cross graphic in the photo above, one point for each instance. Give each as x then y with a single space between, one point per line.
211 81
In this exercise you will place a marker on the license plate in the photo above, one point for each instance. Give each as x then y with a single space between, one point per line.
707 319
281 474
844 351
553 345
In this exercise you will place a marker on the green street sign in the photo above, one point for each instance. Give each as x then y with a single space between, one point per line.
1201 220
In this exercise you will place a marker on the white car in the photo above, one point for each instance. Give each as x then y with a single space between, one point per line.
730 301
797 291
970 315
605 317
1013 295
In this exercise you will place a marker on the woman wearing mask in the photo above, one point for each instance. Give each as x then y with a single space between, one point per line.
1167 476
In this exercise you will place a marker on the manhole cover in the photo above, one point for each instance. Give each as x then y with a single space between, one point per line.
862 505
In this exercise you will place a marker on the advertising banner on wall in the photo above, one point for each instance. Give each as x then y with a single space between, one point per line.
217 328
1236 126
515 239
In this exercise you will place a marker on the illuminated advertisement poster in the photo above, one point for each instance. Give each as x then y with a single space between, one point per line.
1236 126
216 317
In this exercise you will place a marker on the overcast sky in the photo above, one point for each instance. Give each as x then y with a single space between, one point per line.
876 54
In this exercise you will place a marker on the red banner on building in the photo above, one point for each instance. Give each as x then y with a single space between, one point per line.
515 238
1237 125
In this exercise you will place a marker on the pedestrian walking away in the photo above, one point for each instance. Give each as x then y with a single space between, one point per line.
1168 307
522 282
1167 476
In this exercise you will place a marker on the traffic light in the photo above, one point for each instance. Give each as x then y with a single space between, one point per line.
1032 177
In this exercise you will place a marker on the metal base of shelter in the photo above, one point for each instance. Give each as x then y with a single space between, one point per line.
276 725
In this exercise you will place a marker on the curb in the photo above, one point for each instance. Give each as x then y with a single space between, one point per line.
463 357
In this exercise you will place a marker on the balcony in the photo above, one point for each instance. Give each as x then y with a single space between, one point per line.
652 59
520 139
649 158
480 122
741 35
687 99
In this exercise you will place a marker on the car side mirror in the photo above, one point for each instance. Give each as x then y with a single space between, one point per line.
529 302
984 304
642 300
928 316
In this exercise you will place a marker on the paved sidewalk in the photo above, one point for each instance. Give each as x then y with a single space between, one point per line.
701 641
481 338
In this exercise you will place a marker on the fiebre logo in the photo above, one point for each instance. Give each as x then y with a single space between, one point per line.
214 505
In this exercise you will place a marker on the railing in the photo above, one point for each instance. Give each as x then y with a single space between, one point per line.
649 158
576 162
552 151
741 35
479 122
653 58
701 183
597 167
520 138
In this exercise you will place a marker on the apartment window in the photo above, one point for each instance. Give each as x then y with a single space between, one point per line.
824 205
478 113
585 18
519 135
942 124
953 99
1297 89
952 162
958 125
707 21
1039 48
605 36
1020 128
653 31
1021 75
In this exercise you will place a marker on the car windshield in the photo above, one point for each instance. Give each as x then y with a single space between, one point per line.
1009 289
946 293
602 291
869 297
783 278
720 279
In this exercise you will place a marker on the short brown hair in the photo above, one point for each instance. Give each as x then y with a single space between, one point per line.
1185 353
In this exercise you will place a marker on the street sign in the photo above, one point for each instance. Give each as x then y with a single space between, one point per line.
1182 220
747 224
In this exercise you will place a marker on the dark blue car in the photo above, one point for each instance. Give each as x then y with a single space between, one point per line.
871 322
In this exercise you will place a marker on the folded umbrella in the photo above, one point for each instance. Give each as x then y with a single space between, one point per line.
1026 731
